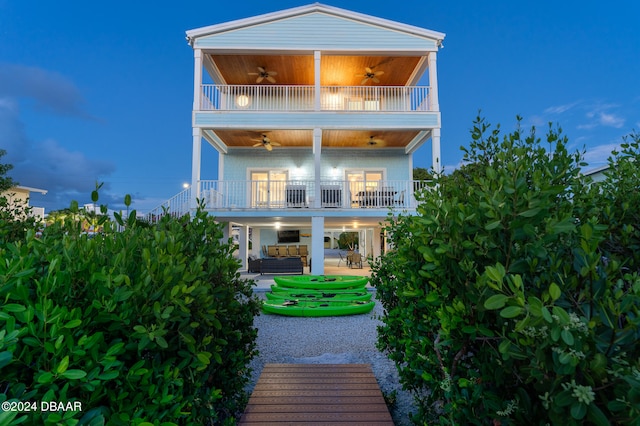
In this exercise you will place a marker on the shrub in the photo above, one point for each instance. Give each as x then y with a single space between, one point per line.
150 324
505 303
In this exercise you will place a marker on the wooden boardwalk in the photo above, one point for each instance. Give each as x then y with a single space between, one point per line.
316 394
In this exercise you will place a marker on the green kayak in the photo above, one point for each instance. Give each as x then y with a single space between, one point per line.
311 295
321 282
322 308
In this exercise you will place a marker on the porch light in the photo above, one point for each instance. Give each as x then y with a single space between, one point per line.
185 185
332 99
242 101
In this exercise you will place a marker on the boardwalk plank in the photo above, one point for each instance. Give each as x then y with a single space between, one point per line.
316 394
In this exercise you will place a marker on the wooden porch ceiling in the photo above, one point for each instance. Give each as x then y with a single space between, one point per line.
330 138
335 70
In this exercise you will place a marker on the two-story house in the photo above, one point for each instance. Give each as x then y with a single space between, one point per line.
315 113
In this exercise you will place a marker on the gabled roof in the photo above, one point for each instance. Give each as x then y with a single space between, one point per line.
316 8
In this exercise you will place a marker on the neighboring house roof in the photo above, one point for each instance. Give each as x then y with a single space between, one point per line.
597 174
30 189
309 32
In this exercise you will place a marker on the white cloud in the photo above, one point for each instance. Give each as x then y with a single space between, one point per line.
599 154
601 115
560 109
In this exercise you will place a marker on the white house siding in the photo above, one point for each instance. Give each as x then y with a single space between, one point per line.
299 163
310 120
317 31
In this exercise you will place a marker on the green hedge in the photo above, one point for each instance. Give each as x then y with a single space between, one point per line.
147 324
513 297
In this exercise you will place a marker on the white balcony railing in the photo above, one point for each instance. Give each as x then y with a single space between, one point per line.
303 98
176 206
270 195
306 194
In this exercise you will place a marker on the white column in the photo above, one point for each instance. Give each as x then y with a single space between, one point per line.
226 232
436 161
433 82
243 250
197 133
377 242
196 163
435 151
316 59
317 245
197 79
317 165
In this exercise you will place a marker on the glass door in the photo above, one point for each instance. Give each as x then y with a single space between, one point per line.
363 185
267 188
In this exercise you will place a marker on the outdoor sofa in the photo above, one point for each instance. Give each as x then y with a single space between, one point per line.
277 265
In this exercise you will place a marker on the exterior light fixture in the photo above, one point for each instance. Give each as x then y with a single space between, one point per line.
242 101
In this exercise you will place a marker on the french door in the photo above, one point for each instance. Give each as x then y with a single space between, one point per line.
362 181
267 188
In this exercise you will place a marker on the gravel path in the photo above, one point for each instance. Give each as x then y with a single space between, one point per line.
330 340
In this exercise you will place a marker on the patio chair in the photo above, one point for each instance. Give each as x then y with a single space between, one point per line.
342 259
349 258
303 252
356 260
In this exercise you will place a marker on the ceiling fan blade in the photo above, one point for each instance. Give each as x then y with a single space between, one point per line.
253 73
257 144
259 79
275 144
368 70
273 73
268 146
375 80
364 80
271 79
261 69
378 73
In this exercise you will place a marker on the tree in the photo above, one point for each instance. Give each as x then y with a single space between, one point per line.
6 182
15 219
513 295
420 173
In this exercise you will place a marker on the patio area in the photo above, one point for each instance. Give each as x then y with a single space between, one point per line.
332 266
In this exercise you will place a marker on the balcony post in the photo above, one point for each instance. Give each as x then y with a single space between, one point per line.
197 80
195 167
433 82
435 150
316 59
317 165
317 245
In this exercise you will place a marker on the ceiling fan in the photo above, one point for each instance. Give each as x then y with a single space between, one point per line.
369 74
373 141
267 143
263 73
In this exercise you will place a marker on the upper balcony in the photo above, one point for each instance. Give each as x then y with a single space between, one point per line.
304 98
293 197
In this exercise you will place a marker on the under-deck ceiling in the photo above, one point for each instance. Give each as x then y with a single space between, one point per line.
335 70
373 139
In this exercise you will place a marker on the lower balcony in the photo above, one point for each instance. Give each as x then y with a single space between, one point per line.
282 195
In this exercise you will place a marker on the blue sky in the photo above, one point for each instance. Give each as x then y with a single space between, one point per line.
102 91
